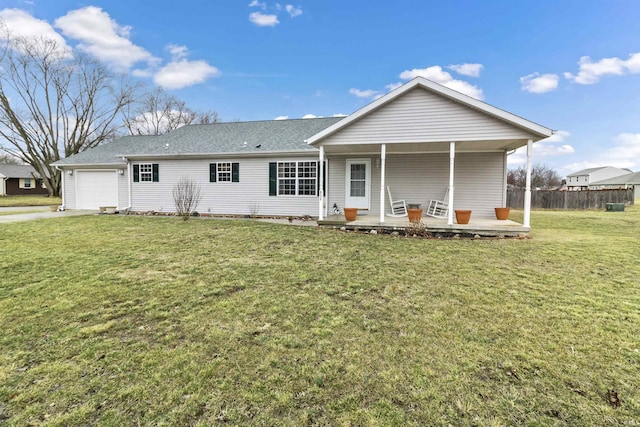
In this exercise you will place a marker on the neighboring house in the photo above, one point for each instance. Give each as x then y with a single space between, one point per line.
421 139
21 180
582 179
630 180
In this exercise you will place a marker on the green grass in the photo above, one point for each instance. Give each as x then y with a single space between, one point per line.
29 201
154 321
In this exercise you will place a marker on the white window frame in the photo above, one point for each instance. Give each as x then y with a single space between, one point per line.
23 183
144 174
303 180
224 175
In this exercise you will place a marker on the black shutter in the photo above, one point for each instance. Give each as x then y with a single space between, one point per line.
235 172
156 175
212 172
273 179
136 173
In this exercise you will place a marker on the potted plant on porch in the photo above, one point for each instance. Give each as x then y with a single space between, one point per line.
502 213
463 216
350 214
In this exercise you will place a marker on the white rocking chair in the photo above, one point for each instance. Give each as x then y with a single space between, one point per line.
398 207
439 208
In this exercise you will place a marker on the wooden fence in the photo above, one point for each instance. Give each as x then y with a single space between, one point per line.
554 199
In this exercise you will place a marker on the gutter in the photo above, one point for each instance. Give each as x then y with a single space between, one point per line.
230 154
62 206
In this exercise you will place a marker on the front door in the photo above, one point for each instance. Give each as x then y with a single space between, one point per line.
358 183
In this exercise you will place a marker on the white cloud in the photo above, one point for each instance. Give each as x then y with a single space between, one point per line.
590 72
102 37
177 52
393 86
263 20
437 74
256 3
623 152
339 115
310 116
183 73
369 93
548 147
142 73
281 118
558 136
539 83
19 24
471 70
293 11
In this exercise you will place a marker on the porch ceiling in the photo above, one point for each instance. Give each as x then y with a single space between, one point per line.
427 147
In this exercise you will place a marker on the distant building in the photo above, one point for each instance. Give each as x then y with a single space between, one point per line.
20 180
630 180
581 180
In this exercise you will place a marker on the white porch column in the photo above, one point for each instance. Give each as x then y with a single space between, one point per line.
452 158
527 192
383 161
321 185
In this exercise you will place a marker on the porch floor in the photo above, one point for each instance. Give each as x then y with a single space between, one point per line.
484 227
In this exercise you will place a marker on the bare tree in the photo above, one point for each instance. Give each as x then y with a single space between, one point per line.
54 104
186 197
8 159
158 113
542 176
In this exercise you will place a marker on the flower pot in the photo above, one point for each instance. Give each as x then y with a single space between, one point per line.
463 216
350 214
502 213
415 215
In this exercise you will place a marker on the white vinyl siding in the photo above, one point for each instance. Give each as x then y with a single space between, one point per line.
71 200
479 179
249 196
421 116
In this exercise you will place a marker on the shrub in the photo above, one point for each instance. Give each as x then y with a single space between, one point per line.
186 197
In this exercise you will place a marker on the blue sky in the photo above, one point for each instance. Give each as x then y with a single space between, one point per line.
573 66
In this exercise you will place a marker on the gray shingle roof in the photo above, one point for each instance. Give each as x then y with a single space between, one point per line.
18 171
272 136
631 178
587 171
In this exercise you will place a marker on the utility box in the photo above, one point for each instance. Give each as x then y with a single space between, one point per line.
614 207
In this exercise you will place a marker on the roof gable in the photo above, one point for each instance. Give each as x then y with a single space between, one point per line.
475 114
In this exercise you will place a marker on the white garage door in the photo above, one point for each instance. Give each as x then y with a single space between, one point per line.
96 188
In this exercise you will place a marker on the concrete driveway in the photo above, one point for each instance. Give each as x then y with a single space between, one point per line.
44 214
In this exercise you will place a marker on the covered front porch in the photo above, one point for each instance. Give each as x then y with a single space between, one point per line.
483 227
422 142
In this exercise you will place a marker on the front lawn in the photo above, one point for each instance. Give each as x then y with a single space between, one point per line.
111 321
29 201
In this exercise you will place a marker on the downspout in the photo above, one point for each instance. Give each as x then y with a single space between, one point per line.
129 179
321 184
383 165
62 206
